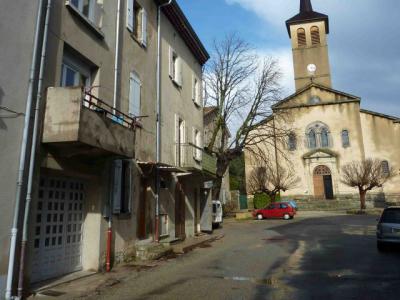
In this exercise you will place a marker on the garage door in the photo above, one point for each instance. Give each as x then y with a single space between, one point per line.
58 219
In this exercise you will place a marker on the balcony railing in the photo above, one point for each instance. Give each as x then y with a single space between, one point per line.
190 156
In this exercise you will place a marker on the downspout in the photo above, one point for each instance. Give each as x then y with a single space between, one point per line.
21 170
33 153
158 120
116 77
116 60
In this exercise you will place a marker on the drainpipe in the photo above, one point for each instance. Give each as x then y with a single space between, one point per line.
116 77
158 120
21 170
116 60
33 153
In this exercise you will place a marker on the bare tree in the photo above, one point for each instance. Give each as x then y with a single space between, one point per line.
242 87
366 175
271 178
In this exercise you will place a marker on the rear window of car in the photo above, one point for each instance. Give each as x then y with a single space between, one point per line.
214 208
391 216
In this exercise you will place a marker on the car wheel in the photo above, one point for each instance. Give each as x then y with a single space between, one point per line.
381 246
286 216
260 217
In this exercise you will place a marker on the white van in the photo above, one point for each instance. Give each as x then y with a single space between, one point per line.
217 217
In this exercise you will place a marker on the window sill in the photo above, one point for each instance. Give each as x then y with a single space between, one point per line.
134 37
197 104
177 85
96 30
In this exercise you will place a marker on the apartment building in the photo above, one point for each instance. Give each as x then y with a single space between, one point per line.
99 86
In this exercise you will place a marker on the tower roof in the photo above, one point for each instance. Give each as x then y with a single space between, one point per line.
307 15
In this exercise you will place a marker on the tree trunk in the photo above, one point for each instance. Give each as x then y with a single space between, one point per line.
273 197
362 200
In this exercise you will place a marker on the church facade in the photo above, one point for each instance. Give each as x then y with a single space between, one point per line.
328 128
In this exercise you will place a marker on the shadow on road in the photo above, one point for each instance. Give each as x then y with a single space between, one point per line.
333 258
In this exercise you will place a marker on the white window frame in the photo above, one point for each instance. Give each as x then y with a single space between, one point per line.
135 97
196 91
175 67
78 67
197 141
79 8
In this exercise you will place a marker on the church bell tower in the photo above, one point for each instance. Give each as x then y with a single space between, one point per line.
308 31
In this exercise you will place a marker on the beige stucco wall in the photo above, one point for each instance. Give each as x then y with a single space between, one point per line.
317 54
382 141
174 99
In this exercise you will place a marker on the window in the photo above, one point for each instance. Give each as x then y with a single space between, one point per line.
324 138
121 187
345 139
196 91
301 37
134 95
292 143
85 7
164 224
315 37
74 71
180 140
136 21
385 167
197 155
175 67
314 100
312 139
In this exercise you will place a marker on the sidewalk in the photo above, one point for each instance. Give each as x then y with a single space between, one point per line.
83 284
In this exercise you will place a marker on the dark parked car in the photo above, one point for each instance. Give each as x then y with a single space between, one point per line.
275 210
388 228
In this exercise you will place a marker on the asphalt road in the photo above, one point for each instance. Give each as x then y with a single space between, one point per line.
312 257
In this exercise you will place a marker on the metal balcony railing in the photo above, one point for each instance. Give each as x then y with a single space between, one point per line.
96 104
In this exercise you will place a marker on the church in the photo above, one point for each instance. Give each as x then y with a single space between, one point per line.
328 127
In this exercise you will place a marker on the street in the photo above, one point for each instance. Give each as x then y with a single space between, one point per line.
315 256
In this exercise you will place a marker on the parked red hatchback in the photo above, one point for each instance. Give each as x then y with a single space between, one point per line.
281 210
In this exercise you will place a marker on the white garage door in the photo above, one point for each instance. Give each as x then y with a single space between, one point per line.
58 228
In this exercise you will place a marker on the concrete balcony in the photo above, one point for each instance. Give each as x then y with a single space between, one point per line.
77 123
189 157
209 164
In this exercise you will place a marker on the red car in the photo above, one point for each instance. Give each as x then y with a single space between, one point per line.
275 210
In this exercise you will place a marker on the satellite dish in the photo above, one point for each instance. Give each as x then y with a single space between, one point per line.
311 68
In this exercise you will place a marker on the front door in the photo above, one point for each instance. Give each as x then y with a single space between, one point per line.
322 179
179 212
58 220
328 187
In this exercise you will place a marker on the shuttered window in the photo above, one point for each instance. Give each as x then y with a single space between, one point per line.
134 95
144 27
130 15
315 37
301 37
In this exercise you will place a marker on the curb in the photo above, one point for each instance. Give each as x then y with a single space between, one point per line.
189 248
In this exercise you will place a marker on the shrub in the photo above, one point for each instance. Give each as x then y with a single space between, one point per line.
261 200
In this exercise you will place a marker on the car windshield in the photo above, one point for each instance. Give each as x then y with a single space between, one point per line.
391 216
214 208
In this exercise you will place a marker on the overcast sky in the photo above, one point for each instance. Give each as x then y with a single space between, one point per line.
364 40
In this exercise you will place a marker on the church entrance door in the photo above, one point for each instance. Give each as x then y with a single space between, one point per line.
323 187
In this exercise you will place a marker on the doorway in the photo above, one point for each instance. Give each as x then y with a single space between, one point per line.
179 212
323 186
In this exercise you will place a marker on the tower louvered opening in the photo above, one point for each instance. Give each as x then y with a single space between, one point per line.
301 37
315 37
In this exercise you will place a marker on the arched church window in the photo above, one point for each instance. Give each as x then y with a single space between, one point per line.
385 167
315 37
314 100
312 139
324 138
301 37
345 139
292 142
